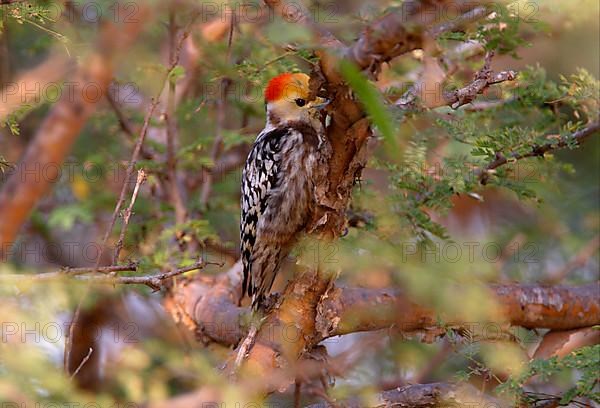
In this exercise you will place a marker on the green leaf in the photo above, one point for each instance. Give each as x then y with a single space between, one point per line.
372 102
176 73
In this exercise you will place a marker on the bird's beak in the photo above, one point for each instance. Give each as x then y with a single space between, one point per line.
320 103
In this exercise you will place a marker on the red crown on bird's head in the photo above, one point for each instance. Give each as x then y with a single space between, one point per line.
286 85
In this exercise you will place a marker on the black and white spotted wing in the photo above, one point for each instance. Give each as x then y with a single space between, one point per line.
259 178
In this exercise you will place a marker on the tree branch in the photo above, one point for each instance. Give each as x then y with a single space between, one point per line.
174 190
91 275
423 395
484 78
127 215
405 28
65 272
209 306
538 151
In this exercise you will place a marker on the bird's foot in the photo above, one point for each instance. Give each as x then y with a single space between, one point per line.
270 302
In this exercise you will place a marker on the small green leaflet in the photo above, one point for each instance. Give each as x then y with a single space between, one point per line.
177 72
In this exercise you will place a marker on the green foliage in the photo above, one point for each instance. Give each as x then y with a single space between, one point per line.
503 32
479 138
4 165
28 12
586 360
419 190
428 161
176 74
65 217
372 102
41 15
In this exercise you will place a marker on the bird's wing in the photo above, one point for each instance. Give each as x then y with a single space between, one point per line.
259 177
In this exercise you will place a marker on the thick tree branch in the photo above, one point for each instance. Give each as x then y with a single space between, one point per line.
405 28
209 306
529 306
287 333
410 396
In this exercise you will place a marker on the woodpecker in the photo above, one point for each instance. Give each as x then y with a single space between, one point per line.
278 181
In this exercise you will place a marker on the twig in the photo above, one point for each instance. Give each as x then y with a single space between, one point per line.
245 346
113 220
69 272
141 177
128 175
85 360
90 276
217 147
537 151
152 281
469 17
401 31
125 124
175 193
484 78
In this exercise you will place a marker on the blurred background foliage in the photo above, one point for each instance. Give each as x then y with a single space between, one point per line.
420 206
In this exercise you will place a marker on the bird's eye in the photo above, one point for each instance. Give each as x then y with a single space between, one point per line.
300 102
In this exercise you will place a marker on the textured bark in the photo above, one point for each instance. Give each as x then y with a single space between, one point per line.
208 305
312 310
529 306
286 334
562 342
